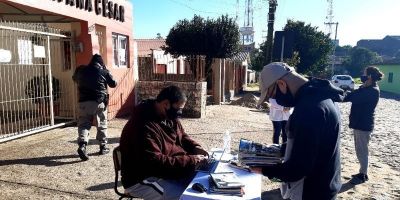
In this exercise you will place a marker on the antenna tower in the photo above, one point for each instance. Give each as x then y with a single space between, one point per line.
329 24
247 31
329 17
237 12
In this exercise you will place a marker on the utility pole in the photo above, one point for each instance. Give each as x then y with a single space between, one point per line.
271 20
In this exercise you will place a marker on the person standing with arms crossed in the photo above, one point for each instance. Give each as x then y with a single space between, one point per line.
92 81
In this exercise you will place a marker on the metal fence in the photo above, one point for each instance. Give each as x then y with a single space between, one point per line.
194 71
36 90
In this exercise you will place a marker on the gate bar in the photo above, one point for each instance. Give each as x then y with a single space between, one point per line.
16 136
31 31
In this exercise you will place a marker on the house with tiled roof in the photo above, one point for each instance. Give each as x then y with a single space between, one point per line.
162 62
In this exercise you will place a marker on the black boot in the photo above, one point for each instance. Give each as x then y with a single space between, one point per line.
104 149
82 151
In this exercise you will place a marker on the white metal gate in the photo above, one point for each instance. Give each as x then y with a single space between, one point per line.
34 60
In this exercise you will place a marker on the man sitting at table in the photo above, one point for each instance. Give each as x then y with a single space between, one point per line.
158 158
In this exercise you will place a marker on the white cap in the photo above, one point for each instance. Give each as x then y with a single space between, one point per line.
270 74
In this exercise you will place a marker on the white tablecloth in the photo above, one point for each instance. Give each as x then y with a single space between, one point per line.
252 183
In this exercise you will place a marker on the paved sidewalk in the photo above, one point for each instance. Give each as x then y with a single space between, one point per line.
46 165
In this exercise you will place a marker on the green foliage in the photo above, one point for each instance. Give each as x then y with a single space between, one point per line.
294 60
359 59
312 45
343 50
310 52
357 80
257 59
208 37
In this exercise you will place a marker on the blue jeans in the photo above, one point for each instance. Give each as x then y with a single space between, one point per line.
279 126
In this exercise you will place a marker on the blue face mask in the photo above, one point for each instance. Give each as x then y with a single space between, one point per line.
364 78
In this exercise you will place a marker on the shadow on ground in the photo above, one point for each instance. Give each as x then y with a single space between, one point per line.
389 95
100 187
272 195
49 161
346 186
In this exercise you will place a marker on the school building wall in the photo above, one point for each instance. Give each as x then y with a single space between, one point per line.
86 27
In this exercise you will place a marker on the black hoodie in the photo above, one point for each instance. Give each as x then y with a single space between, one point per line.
92 81
314 127
364 101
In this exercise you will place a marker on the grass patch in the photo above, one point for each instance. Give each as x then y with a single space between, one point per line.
357 80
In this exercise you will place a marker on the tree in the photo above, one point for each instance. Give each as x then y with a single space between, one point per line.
294 60
343 50
257 59
359 59
313 47
208 37
310 49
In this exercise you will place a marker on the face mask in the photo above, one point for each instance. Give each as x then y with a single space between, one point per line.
286 100
174 113
364 78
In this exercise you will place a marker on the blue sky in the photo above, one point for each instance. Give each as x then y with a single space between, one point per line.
358 19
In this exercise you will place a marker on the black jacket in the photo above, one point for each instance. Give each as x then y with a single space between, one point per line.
315 128
92 81
364 101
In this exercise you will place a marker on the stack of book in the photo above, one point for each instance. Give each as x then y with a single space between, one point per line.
255 154
226 183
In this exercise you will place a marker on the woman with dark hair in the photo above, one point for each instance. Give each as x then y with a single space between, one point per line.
364 101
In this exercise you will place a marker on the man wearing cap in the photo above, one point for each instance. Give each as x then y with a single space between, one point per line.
311 167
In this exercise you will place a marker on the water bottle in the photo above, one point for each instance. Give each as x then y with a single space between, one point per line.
227 142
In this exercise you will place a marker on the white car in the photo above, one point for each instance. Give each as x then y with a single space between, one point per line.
345 82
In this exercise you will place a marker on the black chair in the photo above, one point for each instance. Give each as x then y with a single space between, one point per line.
117 169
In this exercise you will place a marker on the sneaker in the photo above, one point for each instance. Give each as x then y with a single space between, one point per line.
359 178
82 152
104 150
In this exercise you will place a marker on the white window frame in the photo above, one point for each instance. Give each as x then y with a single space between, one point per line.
119 39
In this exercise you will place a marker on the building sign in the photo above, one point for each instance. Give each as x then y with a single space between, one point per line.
105 8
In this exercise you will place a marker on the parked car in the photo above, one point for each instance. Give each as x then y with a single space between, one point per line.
345 82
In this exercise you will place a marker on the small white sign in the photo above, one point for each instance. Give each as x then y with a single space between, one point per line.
5 56
39 51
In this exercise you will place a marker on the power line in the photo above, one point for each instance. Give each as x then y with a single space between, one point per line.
196 10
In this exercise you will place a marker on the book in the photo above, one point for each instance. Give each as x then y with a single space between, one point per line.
256 154
214 189
226 180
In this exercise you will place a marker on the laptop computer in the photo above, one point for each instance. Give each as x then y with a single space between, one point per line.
210 164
